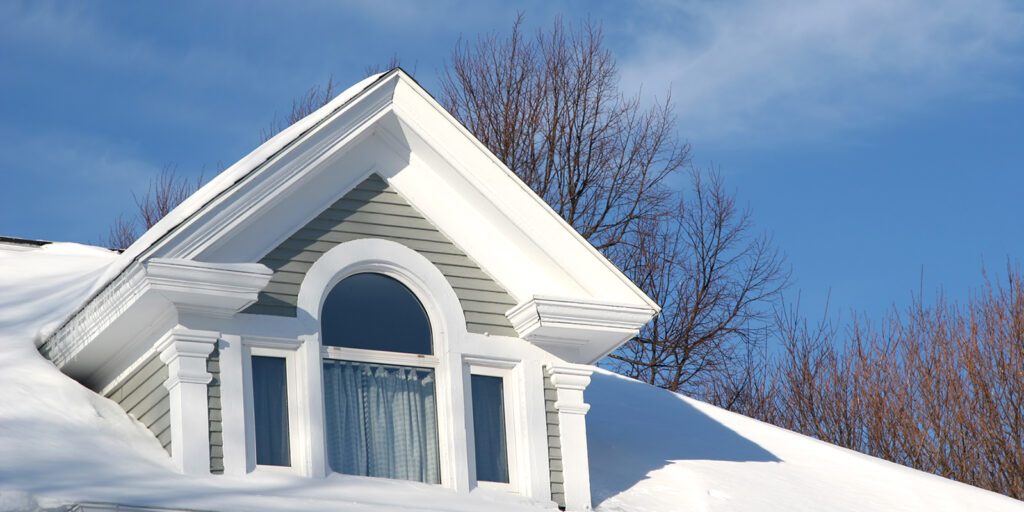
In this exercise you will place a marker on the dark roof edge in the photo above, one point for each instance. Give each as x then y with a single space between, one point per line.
23 241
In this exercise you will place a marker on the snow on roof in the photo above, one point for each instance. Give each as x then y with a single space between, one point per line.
62 443
218 185
650 450
655 450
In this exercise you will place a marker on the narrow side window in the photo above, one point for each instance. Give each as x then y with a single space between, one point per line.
489 429
270 408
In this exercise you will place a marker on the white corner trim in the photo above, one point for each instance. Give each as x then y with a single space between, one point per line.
577 330
185 352
569 381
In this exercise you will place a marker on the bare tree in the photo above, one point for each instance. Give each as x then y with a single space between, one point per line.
550 107
938 388
314 98
716 280
165 191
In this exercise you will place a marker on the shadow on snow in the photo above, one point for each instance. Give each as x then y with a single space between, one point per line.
634 429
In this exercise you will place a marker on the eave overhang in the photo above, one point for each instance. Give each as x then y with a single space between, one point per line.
578 330
140 298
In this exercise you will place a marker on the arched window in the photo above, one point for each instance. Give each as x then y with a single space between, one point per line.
375 312
379 381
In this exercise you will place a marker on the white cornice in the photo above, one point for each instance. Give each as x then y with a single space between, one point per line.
144 293
577 330
210 289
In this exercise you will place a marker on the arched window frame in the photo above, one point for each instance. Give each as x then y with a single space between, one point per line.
448 333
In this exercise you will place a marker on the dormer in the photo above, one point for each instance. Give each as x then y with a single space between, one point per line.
371 292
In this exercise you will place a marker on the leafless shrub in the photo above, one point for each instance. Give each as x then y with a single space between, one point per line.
165 191
549 106
307 103
938 388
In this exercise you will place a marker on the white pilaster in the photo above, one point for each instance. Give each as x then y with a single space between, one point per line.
185 351
569 381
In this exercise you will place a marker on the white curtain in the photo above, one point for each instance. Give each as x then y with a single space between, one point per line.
381 420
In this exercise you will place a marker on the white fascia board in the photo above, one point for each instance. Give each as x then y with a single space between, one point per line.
186 213
580 331
549 237
149 294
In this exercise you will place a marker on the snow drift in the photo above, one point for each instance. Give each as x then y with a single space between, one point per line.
650 450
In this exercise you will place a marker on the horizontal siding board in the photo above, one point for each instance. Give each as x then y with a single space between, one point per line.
332 218
376 197
155 413
291 266
277 299
474 284
491 329
374 210
263 309
133 381
484 296
380 208
154 384
279 289
491 308
162 423
486 318
165 438
462 271
151 407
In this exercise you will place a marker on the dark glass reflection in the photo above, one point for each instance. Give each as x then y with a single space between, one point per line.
374 311
270 408
489 429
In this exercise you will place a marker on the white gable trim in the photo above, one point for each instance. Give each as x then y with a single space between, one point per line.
393 127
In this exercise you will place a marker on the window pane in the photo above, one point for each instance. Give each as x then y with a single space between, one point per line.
270 408
381 420
374 311
489 429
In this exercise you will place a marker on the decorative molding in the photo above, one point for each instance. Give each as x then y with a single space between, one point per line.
504 363
185 352
569 381
217 290
577 330
271 342
209 289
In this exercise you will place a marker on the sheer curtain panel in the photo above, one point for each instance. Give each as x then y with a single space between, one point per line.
381 420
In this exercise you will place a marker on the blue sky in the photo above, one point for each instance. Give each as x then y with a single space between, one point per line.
877 141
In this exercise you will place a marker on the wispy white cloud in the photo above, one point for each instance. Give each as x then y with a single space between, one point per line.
754 72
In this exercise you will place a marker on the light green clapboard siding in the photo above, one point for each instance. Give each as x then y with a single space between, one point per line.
144 397
375 210
554 443
213 402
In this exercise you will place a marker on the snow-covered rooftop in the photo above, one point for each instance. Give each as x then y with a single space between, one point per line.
650 450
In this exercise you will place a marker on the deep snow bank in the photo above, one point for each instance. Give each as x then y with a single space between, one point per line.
650 450
655 450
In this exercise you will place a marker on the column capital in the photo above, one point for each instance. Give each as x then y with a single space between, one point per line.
184 351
